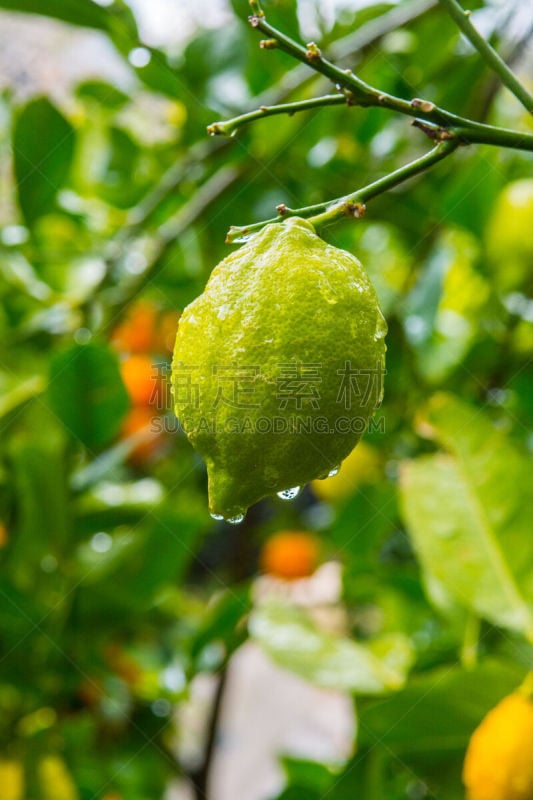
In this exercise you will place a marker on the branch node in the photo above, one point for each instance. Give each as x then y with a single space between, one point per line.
282 210
355 210
268 44
424 105
236 234
350 98
263 108
313 52
434 132
215 130
255 20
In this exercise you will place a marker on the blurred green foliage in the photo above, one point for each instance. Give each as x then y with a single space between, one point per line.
116 588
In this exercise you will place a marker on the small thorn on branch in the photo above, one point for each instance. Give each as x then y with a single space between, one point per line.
313 52
268 44
350 98
282 210
433 132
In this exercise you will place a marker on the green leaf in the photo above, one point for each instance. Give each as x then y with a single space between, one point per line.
43 149
467 515
87 394
102 93
158 555
43 517
438 711
295 643
79 12
446 305
308 774
221 622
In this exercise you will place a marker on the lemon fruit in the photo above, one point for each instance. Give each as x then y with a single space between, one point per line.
508 237
11 779
362 466
278 366
55 780
499 763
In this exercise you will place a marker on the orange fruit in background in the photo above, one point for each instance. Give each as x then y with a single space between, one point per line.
146 329
135 334
166 329
142 380
4 538
140 420
499 759
290 555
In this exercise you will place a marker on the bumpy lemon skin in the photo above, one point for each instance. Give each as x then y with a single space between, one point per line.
499 760
285 298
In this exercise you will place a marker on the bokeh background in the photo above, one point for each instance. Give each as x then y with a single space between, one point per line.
147 651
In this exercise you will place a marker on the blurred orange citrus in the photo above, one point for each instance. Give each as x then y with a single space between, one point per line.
141 379
290 555
140 420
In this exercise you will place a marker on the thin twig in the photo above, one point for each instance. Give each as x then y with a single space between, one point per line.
119 297
230 126
490 56
200 778
352 205
362 94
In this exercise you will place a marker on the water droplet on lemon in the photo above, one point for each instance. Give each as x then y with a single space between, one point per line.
289 494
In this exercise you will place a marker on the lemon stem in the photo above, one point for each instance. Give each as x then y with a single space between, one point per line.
352 205
490 56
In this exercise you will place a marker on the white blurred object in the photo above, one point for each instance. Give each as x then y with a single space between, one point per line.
268 712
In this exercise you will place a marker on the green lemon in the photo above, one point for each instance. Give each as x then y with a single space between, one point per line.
278 365
508 236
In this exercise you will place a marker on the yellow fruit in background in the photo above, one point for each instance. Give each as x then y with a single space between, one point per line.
363 465
11 780
290 555
509 235
278 365
499 760
55 780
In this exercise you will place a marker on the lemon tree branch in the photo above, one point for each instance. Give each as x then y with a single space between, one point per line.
362 94
491 57
230 126
352 205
